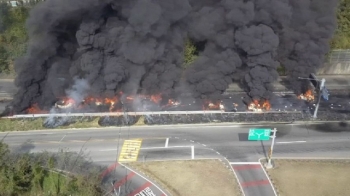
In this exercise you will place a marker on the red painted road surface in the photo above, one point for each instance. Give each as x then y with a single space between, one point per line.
129 182
253 179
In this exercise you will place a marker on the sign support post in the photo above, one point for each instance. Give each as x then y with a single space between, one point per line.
319 98
269 164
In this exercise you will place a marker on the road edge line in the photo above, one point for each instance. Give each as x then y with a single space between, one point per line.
144 178
314 158
239 184
268 177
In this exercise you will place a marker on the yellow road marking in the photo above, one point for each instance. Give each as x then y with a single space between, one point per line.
130 150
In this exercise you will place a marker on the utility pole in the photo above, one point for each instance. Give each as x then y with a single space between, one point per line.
269 165
323 81
322 86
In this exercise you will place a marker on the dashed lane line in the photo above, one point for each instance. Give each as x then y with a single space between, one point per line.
130 150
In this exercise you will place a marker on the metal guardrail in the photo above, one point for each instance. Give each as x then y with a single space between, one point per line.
139 113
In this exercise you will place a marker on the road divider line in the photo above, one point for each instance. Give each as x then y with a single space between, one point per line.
63 137
106 150
166 142
150 148
291 142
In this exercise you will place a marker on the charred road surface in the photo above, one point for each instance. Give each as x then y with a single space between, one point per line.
283 100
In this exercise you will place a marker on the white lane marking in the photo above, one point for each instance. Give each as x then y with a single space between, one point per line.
204 145
144 178
63 137
106 150
244 163
267 176
166 142
150 148
291 142
239 183
192 151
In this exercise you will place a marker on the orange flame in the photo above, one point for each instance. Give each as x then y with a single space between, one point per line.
67 102
209 105
308 96
34 109
156 98
172 102
257 105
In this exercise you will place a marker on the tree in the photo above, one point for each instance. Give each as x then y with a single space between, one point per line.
341 38
4 65
189 53
4 12
23 175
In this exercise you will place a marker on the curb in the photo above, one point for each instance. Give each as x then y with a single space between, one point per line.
268 177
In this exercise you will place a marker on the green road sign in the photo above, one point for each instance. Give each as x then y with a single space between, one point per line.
259 134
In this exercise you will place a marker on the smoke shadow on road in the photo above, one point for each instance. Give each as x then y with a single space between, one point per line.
331 127
26 147
263 148
243 137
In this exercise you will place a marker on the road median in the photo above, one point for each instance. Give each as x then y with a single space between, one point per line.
26 124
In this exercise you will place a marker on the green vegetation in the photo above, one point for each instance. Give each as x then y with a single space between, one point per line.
28 174
190 52
341 38
37 124
13 36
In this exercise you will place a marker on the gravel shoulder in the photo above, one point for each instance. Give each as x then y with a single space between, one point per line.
311 177
193 177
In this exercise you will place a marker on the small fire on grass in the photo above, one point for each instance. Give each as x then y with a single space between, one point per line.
259 106
307 96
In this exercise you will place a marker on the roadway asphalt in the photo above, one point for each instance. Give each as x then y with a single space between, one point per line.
208 141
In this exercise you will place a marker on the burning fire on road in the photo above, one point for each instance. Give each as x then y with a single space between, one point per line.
117 103
307 96
259 106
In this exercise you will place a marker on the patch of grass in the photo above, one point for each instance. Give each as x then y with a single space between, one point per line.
52 183
37 124
20 125
82 124
141 121
188 178
311 177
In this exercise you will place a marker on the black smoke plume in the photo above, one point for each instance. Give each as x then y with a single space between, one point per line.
137 46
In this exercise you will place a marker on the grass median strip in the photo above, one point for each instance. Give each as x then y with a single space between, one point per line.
311 177
193 177
37 124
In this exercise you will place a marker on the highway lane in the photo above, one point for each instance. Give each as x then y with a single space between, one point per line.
8 89
229 140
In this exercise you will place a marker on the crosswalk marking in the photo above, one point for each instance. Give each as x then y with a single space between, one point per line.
130 150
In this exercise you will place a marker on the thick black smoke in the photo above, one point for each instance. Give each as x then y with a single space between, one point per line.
136 46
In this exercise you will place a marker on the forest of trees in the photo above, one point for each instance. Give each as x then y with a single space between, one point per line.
61 173
13 37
